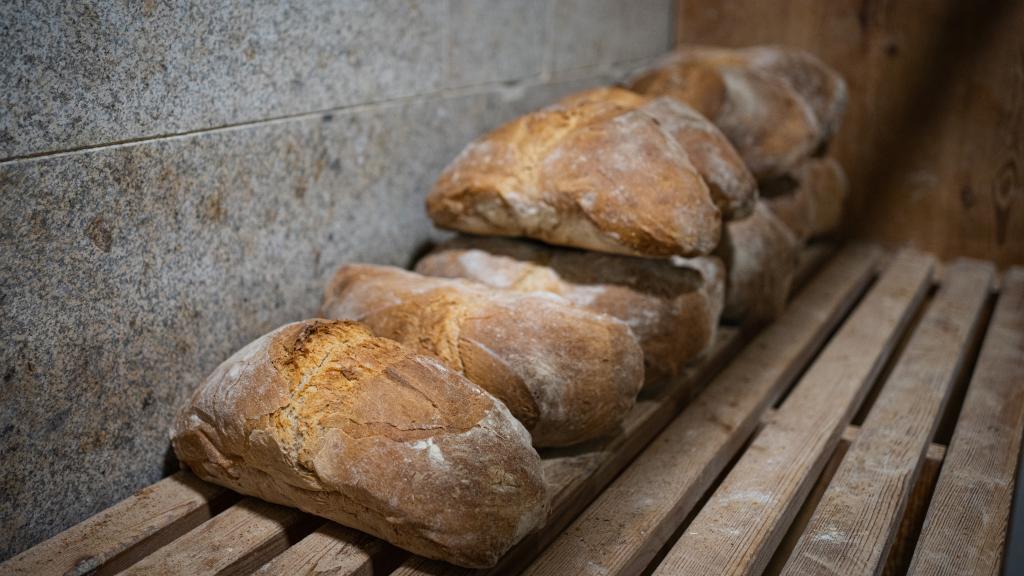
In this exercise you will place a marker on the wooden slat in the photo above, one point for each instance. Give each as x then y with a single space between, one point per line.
854 524
332 550
903 547
965 529
624 528
739 528
899 558
237 541
576 475
122 534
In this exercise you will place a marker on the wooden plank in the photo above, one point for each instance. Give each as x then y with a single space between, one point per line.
965 529
906 538
236 541
122 534
855 523
332 550
577 474
745 519
626 526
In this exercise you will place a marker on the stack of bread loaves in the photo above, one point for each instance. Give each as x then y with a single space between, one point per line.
630 220
779 107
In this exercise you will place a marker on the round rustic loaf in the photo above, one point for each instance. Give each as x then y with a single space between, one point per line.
568 374
672 310
776 105
810 199
761 255
326 417
592 173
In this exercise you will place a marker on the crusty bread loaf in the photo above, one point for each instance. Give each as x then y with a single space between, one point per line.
567 374
776 105
732 186
590 173
810 199
761 256
326 417
673 311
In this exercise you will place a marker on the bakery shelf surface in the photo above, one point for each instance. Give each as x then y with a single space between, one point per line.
874 428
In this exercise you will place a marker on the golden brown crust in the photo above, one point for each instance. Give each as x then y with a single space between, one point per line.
809 200
673 310
776 105
568 374
593 173
761 256
328 418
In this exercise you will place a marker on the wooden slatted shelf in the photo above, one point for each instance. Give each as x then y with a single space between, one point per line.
753 461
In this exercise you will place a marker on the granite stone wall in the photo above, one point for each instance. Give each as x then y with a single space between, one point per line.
178 178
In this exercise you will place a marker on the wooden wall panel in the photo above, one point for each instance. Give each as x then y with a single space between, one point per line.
933 137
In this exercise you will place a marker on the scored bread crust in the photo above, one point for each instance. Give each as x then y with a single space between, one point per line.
810 199
761 255
776 105
672 310
732 186
326 417
569 375
588 173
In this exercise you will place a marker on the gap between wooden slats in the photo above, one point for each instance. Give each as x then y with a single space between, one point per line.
853 526
915 510
964 531
126 532
739 529
626 526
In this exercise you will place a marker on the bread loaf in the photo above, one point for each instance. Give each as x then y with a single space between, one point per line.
776 105
733 188
809 200
328 418
567 374
673 311
590 173
761 256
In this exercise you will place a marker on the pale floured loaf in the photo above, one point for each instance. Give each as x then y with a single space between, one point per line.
672 310
591 173
568 374
810 199
329 418
776 105
761 255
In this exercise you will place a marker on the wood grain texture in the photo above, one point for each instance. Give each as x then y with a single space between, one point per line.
331 550
855 523
965 529
122 534
633 518
910 527
237 541
739 528
933 137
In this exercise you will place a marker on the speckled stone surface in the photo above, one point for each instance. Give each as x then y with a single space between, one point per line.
86 72
129 271
613 31
496 40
